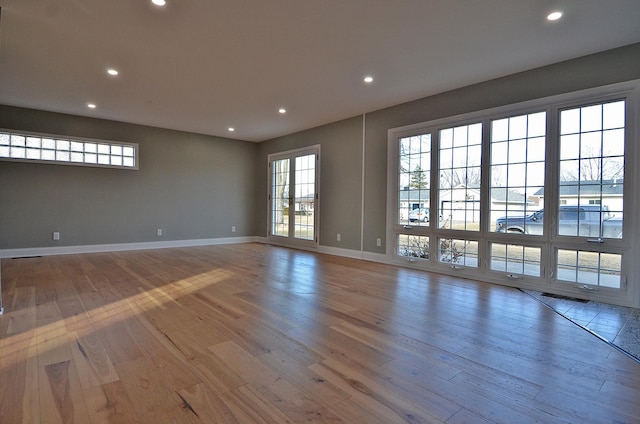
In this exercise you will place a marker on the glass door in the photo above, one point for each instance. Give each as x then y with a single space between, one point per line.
293 197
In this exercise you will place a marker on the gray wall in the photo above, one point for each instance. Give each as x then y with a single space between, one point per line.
192 186
340 179
196 186
609 67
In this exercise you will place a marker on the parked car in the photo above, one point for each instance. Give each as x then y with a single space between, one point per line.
583 221
419 214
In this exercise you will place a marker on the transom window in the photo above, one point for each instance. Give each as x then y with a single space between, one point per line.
53 149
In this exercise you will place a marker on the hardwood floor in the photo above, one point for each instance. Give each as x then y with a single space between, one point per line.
260 334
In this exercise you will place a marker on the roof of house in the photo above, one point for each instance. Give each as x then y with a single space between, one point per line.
500 195
589 188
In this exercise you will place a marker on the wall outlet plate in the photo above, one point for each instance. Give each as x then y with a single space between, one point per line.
56 235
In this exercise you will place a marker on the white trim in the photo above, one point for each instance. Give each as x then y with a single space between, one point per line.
338 251
363 179
120 247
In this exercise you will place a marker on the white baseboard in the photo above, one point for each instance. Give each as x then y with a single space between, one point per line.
337 251
118 247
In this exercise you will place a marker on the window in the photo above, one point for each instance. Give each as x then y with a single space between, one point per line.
589 268
413 246
515 259
460 176
530 195
458 252
592 146
52 149
517 170
414 180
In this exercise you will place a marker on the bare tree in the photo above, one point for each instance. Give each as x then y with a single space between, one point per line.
592 167
469 177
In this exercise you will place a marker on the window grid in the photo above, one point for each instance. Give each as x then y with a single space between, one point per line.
516 259
280 198
458 252
23 147
592 268
459 170
415 176
517 169
411 246
592 153
305 197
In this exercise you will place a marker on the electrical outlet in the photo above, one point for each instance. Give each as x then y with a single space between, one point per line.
339 237
379 242
233 228
56 235
159 232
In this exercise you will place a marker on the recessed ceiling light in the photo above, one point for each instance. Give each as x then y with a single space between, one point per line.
91 105
368 79
282 110
112 72
554 16
231 129
159 2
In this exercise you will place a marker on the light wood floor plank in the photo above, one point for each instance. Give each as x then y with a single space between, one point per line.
252 333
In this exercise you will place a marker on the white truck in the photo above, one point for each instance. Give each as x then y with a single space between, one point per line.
574 220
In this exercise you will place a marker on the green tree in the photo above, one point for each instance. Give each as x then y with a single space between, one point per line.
419 178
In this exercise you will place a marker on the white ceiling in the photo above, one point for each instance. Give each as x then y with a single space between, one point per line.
205 65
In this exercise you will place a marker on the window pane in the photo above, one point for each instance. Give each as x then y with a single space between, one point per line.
34 142
516 259
62 145
590 268
280 198
33 153
411 246
516 187
116 160
458 252
77 147
116 150
48 155
459 191
414 178
48 143
77 157
304 200
592 171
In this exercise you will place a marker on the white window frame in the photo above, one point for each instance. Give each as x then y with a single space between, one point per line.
75 146
629 292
